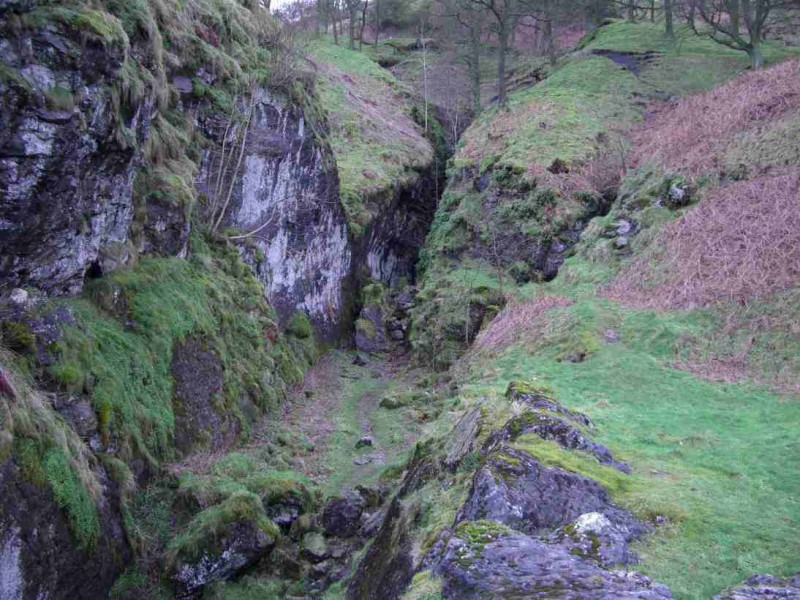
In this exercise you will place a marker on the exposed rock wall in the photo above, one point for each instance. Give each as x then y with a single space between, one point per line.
65 177
280 185
38 559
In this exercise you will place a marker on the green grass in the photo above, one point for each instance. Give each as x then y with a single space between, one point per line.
685 65
558 119
716 459
207 528
376 142
127 324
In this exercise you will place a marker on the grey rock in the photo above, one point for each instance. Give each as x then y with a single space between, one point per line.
197 372
765 587
677 195
314 547
239 547
534 398
514 489
507 564
624 227
364 442
390 562
19 299
462 439
287 188
341 515
38 558
371 329
594 537
79 413
621 243
564 433
182 84
360 360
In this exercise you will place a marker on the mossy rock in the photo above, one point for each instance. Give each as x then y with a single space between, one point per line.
19 337
299 326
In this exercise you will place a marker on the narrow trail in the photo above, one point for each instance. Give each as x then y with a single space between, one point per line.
337 405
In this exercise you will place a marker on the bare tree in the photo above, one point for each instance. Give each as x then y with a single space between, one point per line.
722 22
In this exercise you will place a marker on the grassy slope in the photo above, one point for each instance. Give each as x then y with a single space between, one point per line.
716 459
118 353
375 139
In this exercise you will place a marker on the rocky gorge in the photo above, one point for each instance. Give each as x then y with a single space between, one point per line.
259 341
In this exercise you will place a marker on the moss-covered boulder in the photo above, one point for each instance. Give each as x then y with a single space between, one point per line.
220 542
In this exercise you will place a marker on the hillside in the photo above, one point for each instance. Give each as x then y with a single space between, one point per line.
671 291
283 318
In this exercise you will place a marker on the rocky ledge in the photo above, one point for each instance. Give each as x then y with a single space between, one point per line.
526 529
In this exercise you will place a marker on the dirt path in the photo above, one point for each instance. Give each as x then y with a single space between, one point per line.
337 405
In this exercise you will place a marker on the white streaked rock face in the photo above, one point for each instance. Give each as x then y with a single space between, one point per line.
11 579
286 191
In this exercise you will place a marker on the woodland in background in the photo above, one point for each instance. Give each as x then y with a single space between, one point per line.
532 25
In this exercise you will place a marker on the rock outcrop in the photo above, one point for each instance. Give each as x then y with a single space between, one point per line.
764 587
488 561
279 182
525 529
38 557
67 159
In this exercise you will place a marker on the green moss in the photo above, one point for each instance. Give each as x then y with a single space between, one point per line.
206 529
71 495
59 98
18 337
479 533
366 328
96 23
68 375
300 326
424 586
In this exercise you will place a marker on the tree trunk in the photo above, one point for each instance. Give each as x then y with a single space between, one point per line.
652 11
475 68
754 52
377 20
352 25
363 24
548 33
502 50
334 20
668 18
735 16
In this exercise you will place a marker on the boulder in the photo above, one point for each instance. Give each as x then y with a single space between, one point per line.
595 537
539 398
765 587
565 434
197 372
514 489
486 560
238 546
341 516
462 439
371 329
365 442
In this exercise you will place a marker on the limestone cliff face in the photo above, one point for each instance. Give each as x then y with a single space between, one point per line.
280 186
65 176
